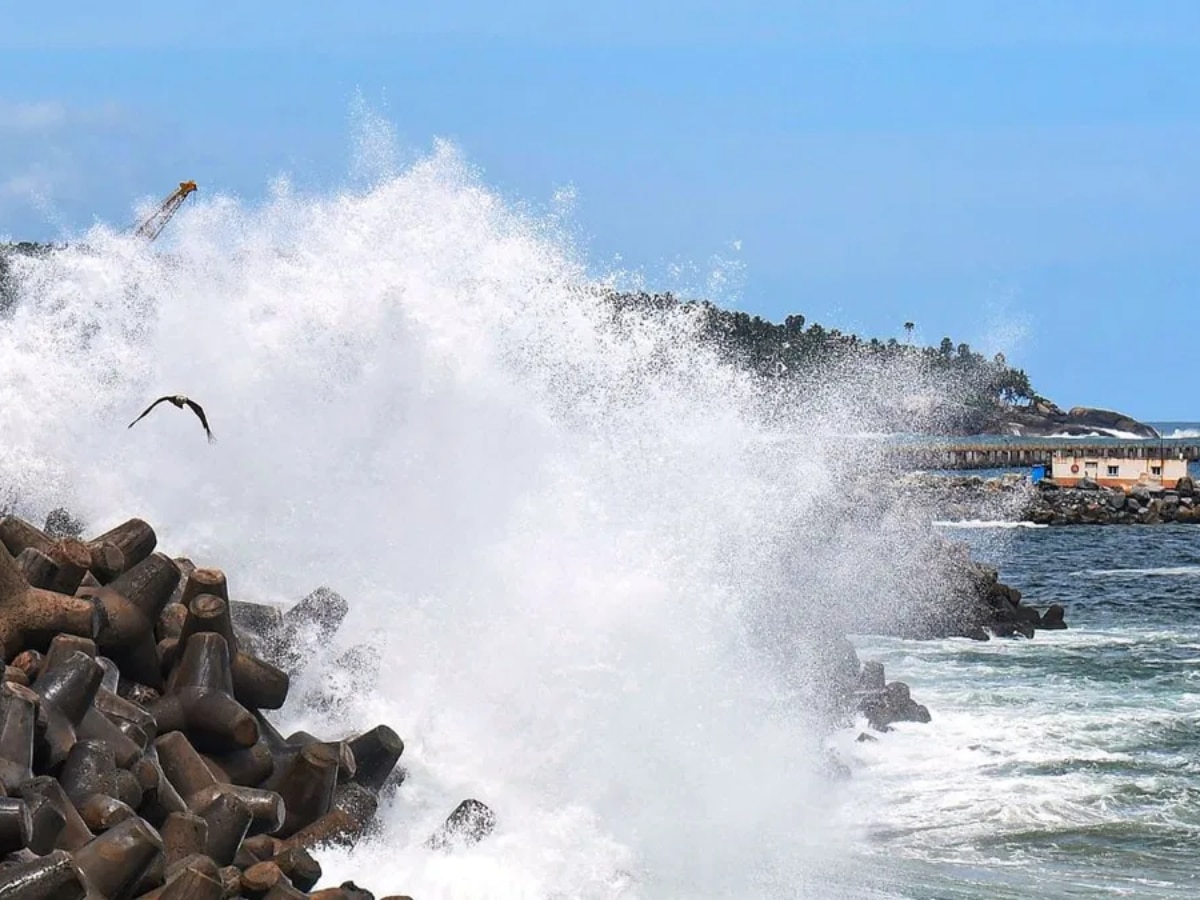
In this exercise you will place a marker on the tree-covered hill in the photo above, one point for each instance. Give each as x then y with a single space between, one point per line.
984 389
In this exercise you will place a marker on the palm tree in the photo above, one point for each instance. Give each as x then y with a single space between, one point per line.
908 329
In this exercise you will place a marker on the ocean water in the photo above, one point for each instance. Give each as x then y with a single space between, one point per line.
1063 766
1177 430
585 558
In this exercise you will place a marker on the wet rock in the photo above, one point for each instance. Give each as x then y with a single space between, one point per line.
61 524
1013 629
1053 618
470 823
871 676
893 704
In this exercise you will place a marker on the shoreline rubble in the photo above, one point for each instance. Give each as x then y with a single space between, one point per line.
135 755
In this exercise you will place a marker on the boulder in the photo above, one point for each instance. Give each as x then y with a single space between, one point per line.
469 823
871 677
1053 618
1012 629
893 704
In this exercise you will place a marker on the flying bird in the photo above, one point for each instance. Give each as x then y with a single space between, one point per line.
179 400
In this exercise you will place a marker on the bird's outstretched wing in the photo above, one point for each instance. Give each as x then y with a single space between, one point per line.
196 408
147 410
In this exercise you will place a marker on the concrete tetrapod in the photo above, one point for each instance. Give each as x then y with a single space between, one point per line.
133 602
133 747
256 684
187 771
199 699
54 876
30 617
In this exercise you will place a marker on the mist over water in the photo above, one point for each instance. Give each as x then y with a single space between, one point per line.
576 538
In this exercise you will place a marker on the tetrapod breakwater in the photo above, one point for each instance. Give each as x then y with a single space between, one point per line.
136 756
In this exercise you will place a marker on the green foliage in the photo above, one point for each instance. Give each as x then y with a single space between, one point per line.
792 349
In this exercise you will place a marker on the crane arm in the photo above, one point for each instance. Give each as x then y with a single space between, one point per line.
157 221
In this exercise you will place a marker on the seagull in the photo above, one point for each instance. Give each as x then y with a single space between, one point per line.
179 400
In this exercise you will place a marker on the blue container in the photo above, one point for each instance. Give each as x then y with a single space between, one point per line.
1037 473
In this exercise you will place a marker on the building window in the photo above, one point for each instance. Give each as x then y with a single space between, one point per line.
1156 470
1114 471
1091 465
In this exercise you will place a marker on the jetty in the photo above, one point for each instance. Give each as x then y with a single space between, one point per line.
997 452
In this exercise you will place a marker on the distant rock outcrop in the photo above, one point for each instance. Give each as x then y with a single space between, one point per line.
1044 419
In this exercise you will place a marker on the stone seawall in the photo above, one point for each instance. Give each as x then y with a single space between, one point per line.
1089 504
1014 498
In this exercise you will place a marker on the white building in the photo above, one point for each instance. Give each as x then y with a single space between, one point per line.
1068 469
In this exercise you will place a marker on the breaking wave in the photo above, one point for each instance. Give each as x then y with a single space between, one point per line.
569 532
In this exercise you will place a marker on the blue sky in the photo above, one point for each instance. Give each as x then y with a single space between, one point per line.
1022 176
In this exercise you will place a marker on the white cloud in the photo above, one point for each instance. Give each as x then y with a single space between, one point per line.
39 115
46 116
24 184
34 190
49 151
34 180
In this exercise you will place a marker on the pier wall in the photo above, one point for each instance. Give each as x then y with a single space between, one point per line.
968 455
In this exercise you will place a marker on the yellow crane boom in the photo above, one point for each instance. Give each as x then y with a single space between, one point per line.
157 221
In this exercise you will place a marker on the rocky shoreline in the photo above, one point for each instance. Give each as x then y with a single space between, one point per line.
945 594
980 607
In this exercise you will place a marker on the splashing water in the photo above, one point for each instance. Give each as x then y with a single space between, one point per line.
574 536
